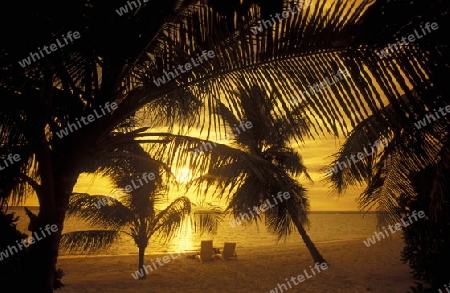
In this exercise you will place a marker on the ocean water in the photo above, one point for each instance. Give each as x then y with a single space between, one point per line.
324 227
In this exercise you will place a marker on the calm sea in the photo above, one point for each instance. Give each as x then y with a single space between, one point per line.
324 227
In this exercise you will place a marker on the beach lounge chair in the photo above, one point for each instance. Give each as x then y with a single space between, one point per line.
206 251
228 251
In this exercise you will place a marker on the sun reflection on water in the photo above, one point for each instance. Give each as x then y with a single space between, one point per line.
185 240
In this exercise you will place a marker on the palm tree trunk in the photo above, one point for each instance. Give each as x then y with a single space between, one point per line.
53 202
141 261
317 257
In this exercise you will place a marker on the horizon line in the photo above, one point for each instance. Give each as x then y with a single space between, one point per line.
314 211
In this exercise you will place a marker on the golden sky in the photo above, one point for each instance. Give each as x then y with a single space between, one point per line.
316 155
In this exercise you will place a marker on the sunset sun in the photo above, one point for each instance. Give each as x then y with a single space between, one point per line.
183 174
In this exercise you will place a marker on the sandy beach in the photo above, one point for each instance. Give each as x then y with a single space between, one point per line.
353 267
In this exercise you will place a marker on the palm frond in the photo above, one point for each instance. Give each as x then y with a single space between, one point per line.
113 215
206 218
168 221
279 218
387 171
87 242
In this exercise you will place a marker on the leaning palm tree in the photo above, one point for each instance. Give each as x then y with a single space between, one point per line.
269 140
260 162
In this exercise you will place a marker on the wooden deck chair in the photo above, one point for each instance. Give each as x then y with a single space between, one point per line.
228 251
206 251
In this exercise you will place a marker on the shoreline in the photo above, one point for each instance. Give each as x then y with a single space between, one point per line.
353 267
263 247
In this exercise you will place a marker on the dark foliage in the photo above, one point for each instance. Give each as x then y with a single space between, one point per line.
427 242
11 267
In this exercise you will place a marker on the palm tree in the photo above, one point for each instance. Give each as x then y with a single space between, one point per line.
259 163
133 213
117 58
269 140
